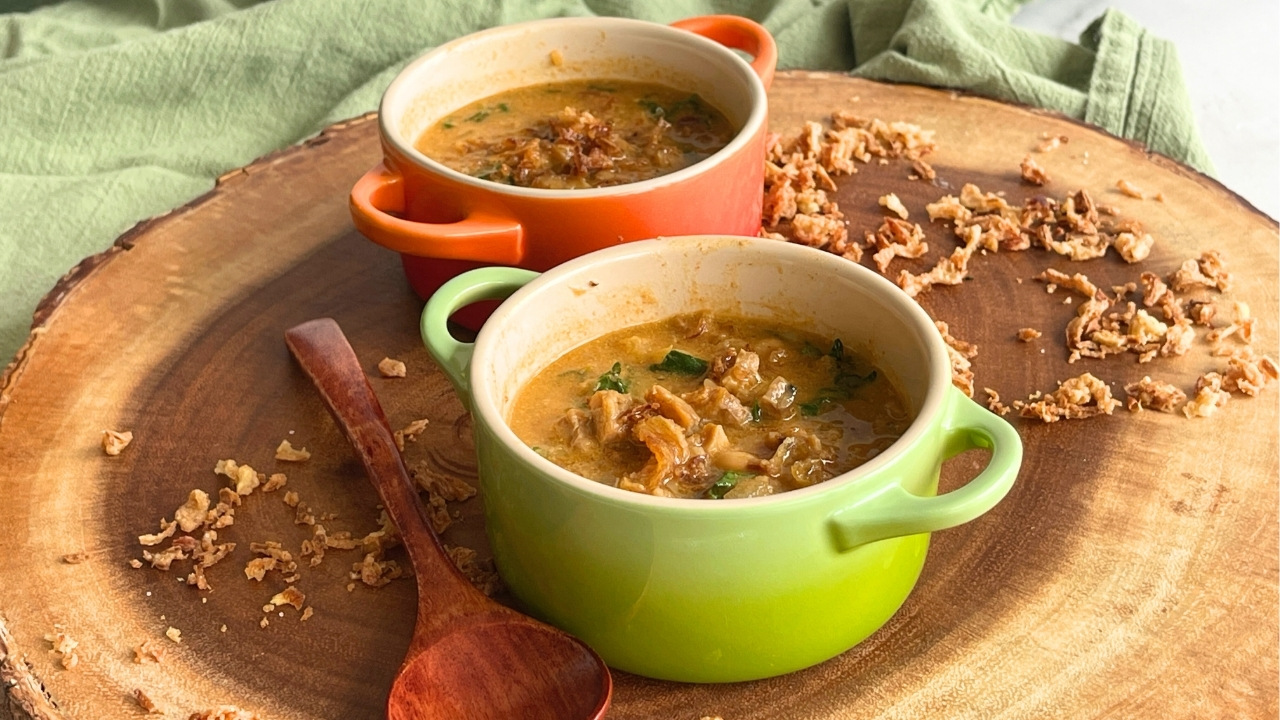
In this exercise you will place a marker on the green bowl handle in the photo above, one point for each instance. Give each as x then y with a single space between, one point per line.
454 357
895 512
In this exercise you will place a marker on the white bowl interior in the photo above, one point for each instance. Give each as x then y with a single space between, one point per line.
504 58
650 280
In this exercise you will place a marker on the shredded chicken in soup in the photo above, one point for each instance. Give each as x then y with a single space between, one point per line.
703 406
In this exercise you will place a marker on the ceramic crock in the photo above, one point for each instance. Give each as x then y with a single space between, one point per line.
714 590
444 222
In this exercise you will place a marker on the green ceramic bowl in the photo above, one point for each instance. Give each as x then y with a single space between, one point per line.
707 590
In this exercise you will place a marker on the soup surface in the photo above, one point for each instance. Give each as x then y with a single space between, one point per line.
703 406
578 134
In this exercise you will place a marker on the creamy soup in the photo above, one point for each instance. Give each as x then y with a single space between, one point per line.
578 134
703 406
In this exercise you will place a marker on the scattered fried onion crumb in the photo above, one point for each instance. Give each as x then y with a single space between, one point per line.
1129 189
1208 398
993 402
391 368
191 514
288 453
1077 282
274 482
950 270
374 571
1133 247
556 57
1049 143
148 652
307 613
1027 334
960 353
146 703
64 646
246 479
1201 312
75 558
1076 398
436 483
1248 373
896 238
923 170
1033 173
225 712
891 203
481 574
166 531
173 634
1098 330
113 442
410 432
1207 271
203 550
257 568
1153 394
1072 227
272 556
289 596
799 168
303 516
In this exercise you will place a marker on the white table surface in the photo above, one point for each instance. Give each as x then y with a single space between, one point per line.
1230 55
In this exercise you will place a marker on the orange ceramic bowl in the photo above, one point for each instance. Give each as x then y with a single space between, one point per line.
444 222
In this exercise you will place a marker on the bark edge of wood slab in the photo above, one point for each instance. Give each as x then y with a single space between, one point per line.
470 657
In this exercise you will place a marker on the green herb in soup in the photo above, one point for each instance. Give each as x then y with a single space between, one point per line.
703 406
578 134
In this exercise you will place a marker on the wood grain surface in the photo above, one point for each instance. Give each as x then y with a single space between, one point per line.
1131 572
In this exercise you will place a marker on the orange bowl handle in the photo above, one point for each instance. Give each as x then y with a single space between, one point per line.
480 236
738 33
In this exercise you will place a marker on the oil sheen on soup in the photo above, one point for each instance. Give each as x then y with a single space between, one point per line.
710 406
578 134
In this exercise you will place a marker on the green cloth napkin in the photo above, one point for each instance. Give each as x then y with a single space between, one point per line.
113 111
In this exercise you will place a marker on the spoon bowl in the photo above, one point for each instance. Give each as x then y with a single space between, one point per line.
470 657
481 658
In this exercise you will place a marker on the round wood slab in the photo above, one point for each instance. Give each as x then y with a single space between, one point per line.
1132 571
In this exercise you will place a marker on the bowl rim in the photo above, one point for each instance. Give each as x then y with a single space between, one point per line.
484 403
754 124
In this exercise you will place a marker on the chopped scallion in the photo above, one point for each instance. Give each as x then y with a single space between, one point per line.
612 380
681 364
726 483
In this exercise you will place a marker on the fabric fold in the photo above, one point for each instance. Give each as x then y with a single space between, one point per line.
1137 91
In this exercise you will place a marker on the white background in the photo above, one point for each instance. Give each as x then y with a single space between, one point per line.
1230 52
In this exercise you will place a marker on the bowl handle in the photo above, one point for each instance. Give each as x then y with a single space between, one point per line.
454 357
480 236
738 33
895 512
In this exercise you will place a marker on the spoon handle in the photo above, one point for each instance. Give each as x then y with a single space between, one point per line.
326 357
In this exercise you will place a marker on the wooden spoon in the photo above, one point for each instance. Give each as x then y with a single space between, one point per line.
469 657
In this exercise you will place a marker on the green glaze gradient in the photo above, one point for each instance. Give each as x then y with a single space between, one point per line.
728 590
